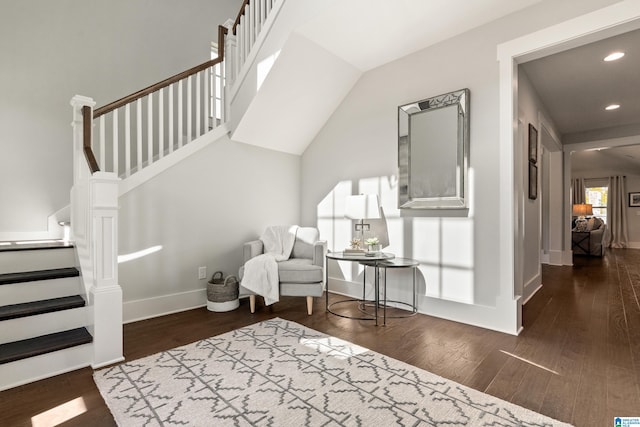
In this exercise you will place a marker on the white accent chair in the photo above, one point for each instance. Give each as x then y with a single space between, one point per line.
300 275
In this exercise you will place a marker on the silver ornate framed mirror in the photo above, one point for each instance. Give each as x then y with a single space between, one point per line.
433 152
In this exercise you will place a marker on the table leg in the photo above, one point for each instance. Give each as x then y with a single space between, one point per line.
326 283
364 282
384 322
377 291
415 307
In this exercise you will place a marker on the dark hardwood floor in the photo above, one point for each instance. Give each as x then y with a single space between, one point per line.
577 360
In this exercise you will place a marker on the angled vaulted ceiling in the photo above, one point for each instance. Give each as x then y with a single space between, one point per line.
350 37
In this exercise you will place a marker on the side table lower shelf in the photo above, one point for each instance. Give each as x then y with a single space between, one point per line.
382 261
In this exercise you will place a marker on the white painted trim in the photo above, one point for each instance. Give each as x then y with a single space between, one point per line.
43 366
633 245
107 363
567 257
530 287
449 310
177 156
142 309
531 292
555 258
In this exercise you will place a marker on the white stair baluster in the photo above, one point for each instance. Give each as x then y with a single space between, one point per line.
189 108
139 134
102 143
258 12
220 89
180 117
115 142
252 24
247 35
150 129
127 140
170 118
160 123
207 98
198 96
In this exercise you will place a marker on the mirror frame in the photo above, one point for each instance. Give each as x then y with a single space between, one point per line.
459 98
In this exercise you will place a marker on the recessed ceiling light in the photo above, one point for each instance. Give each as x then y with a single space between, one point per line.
612 107
613 56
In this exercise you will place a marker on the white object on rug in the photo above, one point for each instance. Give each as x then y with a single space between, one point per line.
280 373
261 272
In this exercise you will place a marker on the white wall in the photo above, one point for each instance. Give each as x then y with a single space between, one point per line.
531 109
52 51
633 214
356 152
200 212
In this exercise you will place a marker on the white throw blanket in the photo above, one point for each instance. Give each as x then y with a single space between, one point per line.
261 272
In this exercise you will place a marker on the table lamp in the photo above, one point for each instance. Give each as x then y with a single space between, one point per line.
362 207
581 210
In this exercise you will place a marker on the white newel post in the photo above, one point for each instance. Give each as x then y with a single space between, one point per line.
105 294
230 69
94 222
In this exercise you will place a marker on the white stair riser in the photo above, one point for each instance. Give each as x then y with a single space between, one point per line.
42 324
17 293
31 260
44 366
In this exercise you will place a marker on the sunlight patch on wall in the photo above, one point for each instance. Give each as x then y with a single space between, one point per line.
264 67
139 254
60 414
442 244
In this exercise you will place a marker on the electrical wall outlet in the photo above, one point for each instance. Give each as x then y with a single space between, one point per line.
202 272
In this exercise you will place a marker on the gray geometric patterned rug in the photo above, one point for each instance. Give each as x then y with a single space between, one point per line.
280 373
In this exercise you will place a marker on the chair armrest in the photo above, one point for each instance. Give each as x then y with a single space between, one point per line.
251 250
319 250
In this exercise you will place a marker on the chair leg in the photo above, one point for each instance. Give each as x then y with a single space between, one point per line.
252 303
309 305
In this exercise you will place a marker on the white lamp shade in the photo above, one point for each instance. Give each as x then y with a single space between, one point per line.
362 206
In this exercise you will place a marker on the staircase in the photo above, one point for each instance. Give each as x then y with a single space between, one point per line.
43 317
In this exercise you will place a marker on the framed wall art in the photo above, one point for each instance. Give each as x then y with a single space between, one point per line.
634 200
533 181
533 144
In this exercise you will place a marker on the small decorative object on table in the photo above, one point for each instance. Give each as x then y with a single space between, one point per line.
373 244
354 248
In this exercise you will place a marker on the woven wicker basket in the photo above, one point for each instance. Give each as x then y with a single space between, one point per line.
222 294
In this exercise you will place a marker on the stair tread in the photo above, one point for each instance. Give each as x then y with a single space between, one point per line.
14 311
35 245
30 276
17 350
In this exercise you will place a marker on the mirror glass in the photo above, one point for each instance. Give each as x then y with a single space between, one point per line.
433 146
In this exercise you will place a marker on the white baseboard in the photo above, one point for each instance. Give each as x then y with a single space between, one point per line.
634 245
531 287
556 258
483 316
148 308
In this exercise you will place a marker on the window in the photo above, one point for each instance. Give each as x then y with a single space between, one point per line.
597 197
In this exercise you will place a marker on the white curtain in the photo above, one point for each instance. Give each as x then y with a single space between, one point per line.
617 213
578 192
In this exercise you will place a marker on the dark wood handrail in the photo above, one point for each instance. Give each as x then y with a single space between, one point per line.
222 31
86 140
237 21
